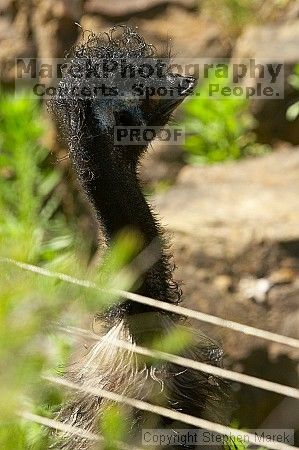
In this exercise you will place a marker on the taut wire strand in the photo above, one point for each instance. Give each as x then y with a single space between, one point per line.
197 315
171 414
196 365
70 429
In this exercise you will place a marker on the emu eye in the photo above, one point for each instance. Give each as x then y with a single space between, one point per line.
125 118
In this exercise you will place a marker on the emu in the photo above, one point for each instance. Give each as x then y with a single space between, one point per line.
108 174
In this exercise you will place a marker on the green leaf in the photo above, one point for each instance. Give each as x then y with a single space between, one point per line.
293 112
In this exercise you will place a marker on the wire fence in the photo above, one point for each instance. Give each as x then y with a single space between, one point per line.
71 429
180 310
170 414
185 362
191 364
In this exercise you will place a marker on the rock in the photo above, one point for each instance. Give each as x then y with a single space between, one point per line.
161 164
94 22
232 222
46 30
115 8
207 38
5 5
255 289
54 26
5 28
278 43
284 275
223 283
292 11
227 206
258 42
290 326
16 41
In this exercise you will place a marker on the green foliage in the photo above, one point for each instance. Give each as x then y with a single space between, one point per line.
27 201
175 341
113 427
33 230
218 129
115 271
30 231
237 444
293 110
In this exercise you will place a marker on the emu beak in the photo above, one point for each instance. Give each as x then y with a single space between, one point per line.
185 87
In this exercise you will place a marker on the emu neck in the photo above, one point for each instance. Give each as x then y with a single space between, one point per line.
112 186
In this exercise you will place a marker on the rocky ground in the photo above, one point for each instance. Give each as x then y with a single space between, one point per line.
235 237
235 233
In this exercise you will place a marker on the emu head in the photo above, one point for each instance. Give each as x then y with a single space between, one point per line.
114 80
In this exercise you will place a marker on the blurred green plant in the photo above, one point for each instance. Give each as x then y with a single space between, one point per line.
29 231
293 110
237 444
113 427
218 129
34 230
28 201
